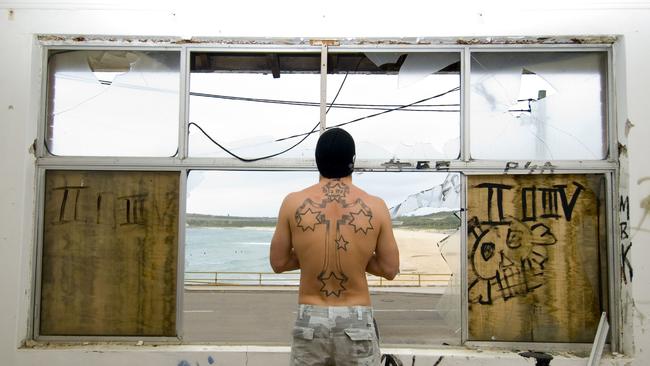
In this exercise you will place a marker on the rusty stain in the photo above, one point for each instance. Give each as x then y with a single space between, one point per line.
336 41
324 42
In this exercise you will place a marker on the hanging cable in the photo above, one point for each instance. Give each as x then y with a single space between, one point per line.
283 151
420 108
376 114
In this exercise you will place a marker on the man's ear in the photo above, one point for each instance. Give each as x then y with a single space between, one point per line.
351 165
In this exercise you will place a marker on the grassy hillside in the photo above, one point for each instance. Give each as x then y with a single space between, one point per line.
438 221
229 221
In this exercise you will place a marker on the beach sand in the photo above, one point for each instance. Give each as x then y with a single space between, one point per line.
419 252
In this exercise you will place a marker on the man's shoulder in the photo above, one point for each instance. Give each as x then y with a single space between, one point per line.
370 199
298 196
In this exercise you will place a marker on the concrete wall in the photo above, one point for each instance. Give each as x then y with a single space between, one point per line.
19 105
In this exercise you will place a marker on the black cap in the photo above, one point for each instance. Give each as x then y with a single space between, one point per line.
335 153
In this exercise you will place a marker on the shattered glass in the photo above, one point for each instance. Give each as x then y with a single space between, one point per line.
113 103
253 114
408 111
538 106
425 210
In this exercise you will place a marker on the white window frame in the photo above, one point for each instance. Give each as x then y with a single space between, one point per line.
182 163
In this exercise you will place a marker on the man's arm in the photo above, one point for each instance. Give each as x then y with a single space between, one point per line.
283 257
385 261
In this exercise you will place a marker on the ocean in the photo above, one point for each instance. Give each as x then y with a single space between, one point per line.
225 249
231 249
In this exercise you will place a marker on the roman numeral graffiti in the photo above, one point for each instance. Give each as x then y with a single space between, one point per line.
132 209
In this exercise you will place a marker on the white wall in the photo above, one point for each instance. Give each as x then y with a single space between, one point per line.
19 103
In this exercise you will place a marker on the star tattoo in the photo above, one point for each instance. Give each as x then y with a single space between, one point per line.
308 220
336 191
342 243
361 221
332 284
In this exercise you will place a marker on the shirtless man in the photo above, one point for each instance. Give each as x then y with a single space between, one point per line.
334 233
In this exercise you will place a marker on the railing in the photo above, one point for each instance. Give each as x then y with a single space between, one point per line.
292 279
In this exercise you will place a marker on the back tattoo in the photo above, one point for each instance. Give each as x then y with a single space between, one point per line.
356 214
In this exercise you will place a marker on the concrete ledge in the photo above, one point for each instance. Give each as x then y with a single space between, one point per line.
95 354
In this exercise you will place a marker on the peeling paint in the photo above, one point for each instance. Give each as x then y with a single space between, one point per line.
406 41
628 127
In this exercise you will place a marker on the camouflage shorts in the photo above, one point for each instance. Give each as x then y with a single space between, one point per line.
334 335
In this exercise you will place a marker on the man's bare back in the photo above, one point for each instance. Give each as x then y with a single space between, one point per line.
335 233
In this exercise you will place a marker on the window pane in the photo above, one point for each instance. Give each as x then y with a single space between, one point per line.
110 246
542 106
537 258
397 105
231 219
249 104
113 103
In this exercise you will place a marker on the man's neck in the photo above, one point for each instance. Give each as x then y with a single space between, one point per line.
344 180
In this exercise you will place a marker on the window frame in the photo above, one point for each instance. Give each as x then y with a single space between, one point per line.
464 164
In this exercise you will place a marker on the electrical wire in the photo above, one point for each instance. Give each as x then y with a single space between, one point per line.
377 114
246 160
331 105
307 134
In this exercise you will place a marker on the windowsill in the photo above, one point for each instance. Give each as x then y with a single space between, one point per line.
278 355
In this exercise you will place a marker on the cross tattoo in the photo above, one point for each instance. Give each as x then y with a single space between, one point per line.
356 214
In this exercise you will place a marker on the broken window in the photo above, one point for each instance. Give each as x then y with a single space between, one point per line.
403 107
113 103
254 105
231 219
538 105
397 105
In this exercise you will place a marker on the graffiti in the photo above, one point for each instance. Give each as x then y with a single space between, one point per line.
627 273
507 261
187 363
529 197
69 207
132 208
390 360
508 254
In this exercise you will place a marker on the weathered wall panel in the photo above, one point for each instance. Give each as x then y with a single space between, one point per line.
535 257
109 253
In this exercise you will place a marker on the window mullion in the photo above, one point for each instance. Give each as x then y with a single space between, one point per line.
464 104
323 88
184 99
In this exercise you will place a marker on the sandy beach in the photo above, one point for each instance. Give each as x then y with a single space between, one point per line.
419 252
